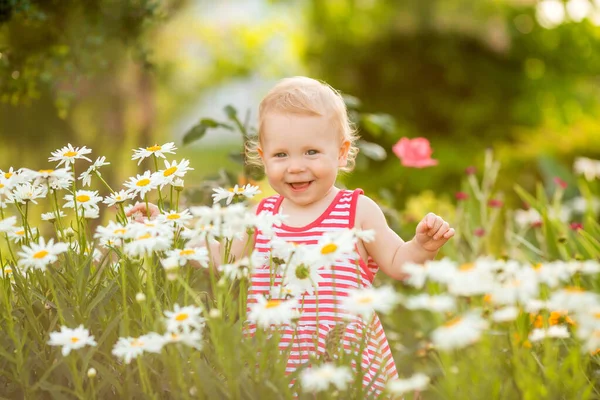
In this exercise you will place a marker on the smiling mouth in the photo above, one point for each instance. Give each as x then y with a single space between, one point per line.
299 186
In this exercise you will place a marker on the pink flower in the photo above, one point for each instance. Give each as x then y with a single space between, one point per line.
479 232
495 203
461 196
560 182
415 153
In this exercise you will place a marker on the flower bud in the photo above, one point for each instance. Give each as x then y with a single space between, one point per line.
214 313
91 373
140 297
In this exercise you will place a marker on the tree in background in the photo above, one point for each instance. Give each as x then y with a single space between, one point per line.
76 71
468 75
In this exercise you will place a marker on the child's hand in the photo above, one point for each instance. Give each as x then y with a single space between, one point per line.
433 232
139 211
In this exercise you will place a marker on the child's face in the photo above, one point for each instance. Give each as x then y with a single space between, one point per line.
302 155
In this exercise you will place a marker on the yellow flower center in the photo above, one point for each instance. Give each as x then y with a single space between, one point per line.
146 236
136 343
187 252
453 322
122 231
1 186
74 339
537 266
174 336
143 182
8 270
574 289
20 233
83 198
181 317
272 303
466 267
7 175
154 148
170 171
329 248
235 190
70 154
40 254
597 315
365 300
173 216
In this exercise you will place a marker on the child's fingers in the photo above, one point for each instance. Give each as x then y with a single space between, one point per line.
441 231
449 234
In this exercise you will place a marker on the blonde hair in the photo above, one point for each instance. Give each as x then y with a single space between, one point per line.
304 96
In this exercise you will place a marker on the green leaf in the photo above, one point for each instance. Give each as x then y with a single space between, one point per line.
378 124
237 157
230 111
199 130
372 150
527 198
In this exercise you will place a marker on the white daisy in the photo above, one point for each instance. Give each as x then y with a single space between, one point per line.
191 338
365 301
156 150
587 167
171 172
57 179
505 314
198 254
39 255
184 318
266 220
88 199
71 339
112 232
146 244
18 234
130 347
8 224
239 269
51 216
334 247
459 332
175 217
417 382
471 279
436 303
27 192
228 195
69 154
91 213
527 218
272 312
573 299
317 379
300 275
118 197
141 184
555 331
86 177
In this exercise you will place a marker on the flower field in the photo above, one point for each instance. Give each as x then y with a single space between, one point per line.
105 305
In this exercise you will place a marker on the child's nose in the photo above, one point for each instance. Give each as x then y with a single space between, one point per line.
296 166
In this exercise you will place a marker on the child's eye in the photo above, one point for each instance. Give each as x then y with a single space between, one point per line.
312 152
279 155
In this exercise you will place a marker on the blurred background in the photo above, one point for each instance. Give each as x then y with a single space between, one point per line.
520 77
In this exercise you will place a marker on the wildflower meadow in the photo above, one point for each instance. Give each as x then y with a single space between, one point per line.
102 305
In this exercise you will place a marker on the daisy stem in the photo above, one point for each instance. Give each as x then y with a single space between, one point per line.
147 206
177 201
124 292
76 376
160 199
103 181
146 386
171 195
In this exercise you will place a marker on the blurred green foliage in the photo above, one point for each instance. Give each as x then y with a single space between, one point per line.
468 76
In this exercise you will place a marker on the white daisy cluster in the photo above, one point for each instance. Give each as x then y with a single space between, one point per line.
298 269
248 191
506 289
184 325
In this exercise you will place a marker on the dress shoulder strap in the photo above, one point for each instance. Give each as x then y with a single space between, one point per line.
354 194
267 204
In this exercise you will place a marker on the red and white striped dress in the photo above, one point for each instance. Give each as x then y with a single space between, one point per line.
310 337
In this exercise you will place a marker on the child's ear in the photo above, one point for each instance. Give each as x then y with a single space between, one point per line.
343 157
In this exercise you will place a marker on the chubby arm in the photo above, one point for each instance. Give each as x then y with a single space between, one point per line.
388 250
